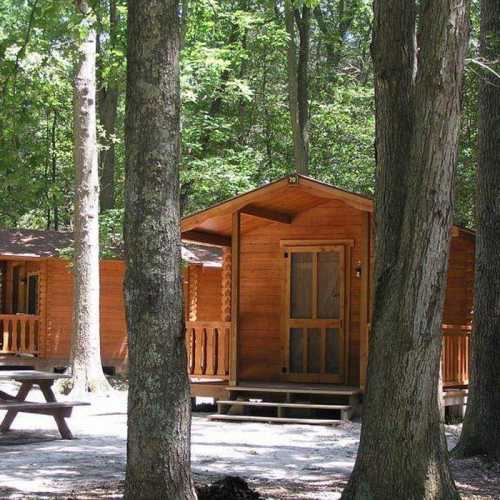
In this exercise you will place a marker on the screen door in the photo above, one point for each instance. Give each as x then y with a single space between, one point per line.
314 316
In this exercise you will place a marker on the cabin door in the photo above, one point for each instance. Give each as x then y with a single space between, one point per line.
314 314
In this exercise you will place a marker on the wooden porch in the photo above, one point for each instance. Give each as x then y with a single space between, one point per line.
22 306
208 344
20 334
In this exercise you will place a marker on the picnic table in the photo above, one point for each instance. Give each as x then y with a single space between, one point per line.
59 410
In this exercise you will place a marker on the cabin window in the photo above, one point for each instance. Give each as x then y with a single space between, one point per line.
17 302
2 287
32 294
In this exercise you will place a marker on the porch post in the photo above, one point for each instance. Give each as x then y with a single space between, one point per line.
365 299
226 285
9 281
193 279
235 298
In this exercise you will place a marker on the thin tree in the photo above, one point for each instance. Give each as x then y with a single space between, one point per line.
108 95
402 452
86 367
158 450
297 80
481 428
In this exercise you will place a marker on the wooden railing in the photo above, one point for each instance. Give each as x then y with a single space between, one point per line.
456 353
19 333
207 344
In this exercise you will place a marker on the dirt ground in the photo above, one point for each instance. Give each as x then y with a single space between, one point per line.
279 461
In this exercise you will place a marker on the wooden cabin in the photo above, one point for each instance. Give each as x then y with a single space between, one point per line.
296 295
278 299
36 298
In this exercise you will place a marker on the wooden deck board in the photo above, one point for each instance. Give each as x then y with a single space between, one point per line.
277 420
270 404
326 389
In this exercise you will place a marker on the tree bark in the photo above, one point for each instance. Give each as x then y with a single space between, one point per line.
87 374
481 427
402 452
53 140
298 101
304 26
108 105
158 449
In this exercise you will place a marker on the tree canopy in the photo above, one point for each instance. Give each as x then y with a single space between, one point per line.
236 131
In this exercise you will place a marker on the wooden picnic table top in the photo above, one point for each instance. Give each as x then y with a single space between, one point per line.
20 375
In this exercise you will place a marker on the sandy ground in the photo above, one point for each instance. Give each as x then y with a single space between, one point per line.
281 461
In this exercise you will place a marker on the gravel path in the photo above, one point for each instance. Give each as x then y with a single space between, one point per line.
281 461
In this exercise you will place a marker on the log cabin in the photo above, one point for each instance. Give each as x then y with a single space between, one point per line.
297 299
277 307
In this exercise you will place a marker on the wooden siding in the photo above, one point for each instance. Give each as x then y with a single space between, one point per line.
210 294
458 306
60 310
202 293
59 307
458 310
259 343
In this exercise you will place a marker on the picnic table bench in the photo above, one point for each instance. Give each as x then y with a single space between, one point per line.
59 410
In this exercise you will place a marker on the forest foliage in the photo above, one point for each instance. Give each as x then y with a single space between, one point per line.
236 131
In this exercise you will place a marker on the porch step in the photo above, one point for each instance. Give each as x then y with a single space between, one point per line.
312 406
295 389
275 420
345 410
454 397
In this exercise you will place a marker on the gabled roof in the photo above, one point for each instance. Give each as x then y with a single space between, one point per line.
280 201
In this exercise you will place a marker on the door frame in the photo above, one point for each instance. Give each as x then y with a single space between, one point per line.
285 247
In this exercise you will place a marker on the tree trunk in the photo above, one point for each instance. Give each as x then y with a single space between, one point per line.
298 109
402 452
108 105
158 450
304 26
53 140
87 374
481 428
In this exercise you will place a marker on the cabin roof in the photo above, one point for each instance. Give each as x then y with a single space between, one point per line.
280 200
30 243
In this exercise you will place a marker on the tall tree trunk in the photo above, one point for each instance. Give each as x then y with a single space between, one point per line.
87 374
158 450
481 428
108 105
402 452
298 101
53 140
304 25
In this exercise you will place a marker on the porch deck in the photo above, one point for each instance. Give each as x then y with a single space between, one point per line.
296 388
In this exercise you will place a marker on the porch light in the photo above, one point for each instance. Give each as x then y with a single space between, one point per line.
358 269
